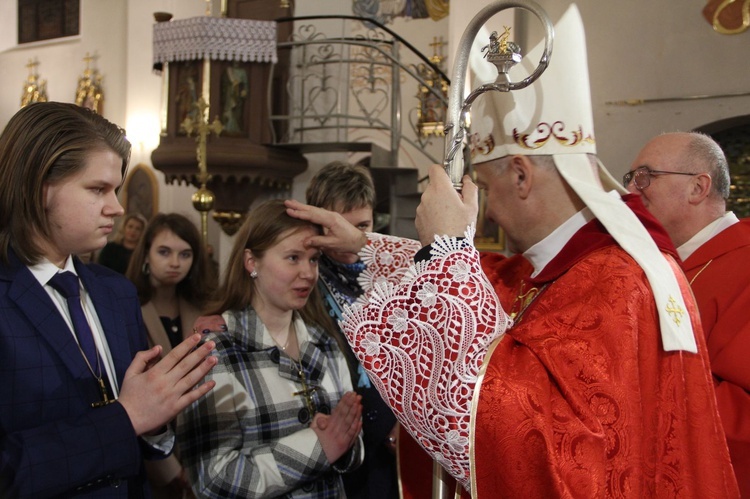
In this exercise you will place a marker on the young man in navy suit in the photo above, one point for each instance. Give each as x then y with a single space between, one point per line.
82 400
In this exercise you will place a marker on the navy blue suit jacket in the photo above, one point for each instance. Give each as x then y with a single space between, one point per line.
52 442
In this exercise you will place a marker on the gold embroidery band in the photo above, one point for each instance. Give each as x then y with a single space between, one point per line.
547 132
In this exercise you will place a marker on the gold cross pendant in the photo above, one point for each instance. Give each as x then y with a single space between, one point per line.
309 402
306 392
105 398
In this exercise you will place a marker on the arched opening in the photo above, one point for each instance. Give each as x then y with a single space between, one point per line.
733 135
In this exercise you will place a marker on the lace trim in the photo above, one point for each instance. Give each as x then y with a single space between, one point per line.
423 339
386 259
215 38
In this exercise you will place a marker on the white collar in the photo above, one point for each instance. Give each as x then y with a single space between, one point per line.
706 233
545 250
44 270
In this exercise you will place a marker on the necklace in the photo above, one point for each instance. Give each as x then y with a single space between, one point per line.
285 345
307 391
99 379
701 270
523 300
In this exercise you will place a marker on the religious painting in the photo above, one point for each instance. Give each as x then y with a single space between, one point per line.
385 11
188 77
735 142
141 192
234 92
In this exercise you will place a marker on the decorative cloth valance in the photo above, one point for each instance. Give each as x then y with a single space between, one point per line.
215 38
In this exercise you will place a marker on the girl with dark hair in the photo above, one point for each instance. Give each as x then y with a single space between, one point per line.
170 273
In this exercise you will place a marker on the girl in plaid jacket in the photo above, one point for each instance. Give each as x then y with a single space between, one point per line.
282 420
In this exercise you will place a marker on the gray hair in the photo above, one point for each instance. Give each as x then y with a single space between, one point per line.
706 154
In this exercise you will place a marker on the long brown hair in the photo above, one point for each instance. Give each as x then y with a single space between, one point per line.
45 143
195 287
261 231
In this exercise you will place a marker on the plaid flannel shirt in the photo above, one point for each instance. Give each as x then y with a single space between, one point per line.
251 436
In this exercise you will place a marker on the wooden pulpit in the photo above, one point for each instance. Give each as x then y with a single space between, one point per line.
226 61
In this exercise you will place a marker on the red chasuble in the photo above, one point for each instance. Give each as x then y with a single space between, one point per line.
719 272
578 399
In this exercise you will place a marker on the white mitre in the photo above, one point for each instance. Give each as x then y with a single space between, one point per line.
553 117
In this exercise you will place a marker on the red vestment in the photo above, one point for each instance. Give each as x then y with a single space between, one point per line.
578 399
719 272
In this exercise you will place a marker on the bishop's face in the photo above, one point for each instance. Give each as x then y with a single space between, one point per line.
495 179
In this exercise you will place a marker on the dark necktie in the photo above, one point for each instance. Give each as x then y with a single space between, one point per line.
67 284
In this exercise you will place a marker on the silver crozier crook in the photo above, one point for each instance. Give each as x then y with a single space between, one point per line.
502 54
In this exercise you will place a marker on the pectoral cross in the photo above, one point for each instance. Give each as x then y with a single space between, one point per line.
307 391
105 397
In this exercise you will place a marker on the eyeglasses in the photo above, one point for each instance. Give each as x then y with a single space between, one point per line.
641 176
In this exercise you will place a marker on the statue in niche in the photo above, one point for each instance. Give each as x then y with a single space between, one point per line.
89 93
234 88
34 90
187 93
434 110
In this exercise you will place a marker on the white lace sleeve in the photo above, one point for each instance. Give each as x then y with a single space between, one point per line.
423 340
387 258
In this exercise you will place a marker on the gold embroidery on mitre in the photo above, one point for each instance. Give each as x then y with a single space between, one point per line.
675 310
481 146
545 132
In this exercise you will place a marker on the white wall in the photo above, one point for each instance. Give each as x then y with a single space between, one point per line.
645 49
61 62
143 97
